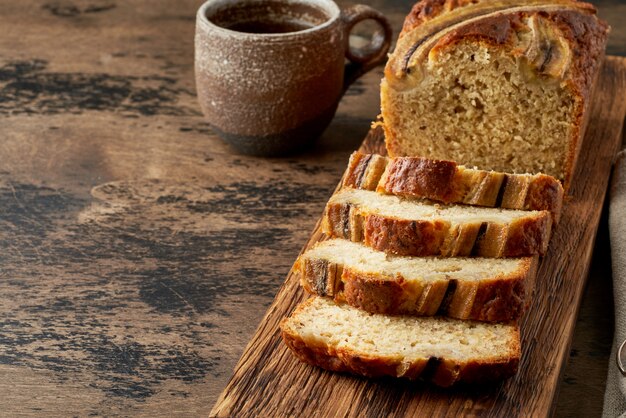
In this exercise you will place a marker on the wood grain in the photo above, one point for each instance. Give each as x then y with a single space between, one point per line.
270 381
138 252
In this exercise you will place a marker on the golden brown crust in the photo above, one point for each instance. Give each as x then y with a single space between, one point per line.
434 237
500 298
440 371
445 181
588 35
404 237
495 30
526 236
420 177
436 22
426 10
364 171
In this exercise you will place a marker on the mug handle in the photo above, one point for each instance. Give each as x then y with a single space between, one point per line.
365 58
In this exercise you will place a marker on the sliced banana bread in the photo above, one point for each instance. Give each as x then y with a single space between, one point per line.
447 182
501 85
421 228
482 289
441 350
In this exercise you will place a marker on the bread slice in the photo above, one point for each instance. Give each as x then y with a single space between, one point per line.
482 289
441 350
503 86
447 182
420 228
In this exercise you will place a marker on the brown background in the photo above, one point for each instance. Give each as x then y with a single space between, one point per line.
138 253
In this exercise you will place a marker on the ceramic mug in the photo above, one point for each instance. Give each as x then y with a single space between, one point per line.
270 73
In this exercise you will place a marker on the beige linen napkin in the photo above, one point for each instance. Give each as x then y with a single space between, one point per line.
615 394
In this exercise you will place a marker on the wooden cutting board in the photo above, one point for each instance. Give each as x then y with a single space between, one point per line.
269 381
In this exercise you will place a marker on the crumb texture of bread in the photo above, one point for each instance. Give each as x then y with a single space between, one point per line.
503 86
421 228
341 338
447 182
482 289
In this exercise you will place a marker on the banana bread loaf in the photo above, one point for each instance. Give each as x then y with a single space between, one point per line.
502 86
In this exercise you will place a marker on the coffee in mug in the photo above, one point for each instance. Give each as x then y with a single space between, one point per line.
270 73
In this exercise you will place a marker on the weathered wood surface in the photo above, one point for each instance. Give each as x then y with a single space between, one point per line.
137 253
270 381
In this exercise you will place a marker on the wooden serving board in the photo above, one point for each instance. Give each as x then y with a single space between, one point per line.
269 381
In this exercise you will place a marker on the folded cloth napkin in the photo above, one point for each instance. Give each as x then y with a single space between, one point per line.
615 394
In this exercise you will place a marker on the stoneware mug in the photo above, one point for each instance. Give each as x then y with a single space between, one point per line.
270 73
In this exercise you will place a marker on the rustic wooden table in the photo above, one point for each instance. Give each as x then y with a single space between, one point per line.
138 252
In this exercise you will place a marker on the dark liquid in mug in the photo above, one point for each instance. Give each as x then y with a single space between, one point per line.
269 26
268 17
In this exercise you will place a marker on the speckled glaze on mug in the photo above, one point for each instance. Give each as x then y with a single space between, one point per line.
271 94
